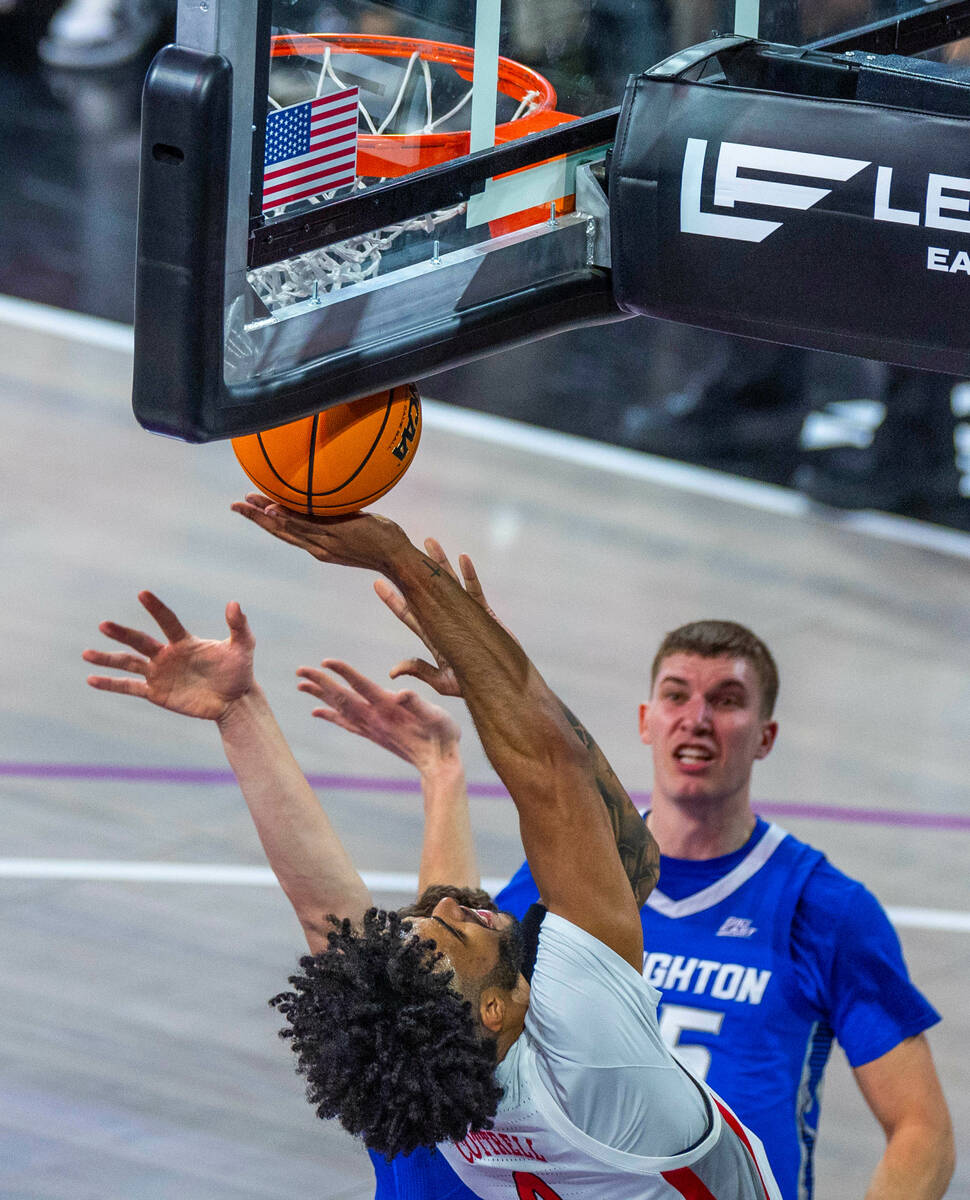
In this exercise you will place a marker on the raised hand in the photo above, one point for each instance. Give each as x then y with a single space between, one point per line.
401 722
439 674
355 540
187 675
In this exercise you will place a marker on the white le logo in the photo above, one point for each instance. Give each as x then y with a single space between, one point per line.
729 187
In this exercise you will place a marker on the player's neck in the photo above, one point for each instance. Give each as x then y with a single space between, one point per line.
705 830
513 1023
507 1039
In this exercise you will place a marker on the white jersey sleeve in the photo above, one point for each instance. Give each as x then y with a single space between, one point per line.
592 1022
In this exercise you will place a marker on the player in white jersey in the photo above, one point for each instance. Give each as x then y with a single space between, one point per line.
425 1032
593 1103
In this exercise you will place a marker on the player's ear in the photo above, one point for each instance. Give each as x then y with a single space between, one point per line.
769 731
645 735
491 1009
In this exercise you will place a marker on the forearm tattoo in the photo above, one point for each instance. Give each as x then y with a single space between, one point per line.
639 853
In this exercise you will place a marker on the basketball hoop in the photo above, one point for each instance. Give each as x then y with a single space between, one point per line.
385 150
387 153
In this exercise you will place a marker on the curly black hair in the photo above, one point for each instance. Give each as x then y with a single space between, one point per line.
387 1046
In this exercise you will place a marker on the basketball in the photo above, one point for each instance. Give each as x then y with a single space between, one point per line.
339 460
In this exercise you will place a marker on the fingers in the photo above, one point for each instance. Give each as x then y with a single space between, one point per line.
349 710
135 638
435 551
428 714
118 661
269 516
320 685
417 668
334 716
239 631
470 578
379 701
360 683
265 520
398 606
127 687
167 621
391 597
319 536
327 714
257 500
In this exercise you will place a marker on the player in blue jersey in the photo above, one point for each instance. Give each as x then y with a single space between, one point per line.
764 952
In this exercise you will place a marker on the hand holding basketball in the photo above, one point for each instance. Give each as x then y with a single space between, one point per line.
357 540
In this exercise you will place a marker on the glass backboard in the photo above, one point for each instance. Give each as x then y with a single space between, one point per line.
343 195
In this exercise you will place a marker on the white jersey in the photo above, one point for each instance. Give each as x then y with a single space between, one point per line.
595 1105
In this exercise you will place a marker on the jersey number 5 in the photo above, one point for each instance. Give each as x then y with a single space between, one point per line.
531 1187
676 1019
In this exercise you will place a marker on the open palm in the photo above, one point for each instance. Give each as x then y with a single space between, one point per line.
188 675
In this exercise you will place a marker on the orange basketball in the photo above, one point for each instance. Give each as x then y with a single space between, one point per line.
340 460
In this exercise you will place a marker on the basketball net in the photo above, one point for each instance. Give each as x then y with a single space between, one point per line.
306 276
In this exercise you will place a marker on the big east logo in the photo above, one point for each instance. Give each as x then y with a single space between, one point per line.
945 195
400 451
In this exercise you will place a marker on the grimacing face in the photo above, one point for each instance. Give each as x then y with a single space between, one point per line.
705 727
469 938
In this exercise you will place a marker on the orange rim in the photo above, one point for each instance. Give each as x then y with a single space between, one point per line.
395 154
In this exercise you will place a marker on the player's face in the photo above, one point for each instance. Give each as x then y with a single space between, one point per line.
468 937
705 726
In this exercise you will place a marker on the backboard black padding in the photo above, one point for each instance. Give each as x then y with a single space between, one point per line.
829 275
181 236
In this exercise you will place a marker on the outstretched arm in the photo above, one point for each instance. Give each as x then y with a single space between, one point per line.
565 830
301 845
423 735
214 680
637 849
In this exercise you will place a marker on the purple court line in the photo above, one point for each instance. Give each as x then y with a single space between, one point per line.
90 772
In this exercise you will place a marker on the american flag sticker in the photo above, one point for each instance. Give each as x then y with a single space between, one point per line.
310 148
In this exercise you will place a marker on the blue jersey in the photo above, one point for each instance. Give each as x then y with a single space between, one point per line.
763 956
423 1175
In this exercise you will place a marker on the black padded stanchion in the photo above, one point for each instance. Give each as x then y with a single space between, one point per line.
802 197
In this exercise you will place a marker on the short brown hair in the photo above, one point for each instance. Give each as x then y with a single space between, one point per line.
722 639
